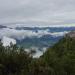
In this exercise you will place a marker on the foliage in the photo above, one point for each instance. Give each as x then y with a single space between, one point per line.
61 57
57 60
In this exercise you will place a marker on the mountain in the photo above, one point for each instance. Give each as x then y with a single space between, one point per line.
34 38
1 26
71 34
60 58
42 36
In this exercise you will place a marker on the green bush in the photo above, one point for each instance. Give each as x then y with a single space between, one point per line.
57 60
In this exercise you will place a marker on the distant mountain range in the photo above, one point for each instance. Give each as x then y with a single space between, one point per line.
36 38
1 26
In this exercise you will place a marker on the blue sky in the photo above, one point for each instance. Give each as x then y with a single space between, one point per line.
40 12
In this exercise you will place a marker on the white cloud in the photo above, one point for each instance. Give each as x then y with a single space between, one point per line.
6 41
21 34
56 34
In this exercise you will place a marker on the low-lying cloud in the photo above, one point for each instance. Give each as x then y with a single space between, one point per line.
6 41
21 34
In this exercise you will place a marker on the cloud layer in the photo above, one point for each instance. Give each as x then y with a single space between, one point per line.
37 11
21 34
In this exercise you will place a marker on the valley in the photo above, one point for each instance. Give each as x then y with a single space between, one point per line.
33 38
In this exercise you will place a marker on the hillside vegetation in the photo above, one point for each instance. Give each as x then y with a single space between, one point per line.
57 60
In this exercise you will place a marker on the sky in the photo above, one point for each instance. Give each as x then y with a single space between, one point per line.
40 12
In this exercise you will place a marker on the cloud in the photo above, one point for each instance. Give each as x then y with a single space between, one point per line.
6 41
21 34
37 11
13 25
38 52
56 34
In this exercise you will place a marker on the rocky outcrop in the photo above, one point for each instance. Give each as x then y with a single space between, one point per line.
71 34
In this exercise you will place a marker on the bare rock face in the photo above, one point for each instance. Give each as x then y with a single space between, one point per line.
71 34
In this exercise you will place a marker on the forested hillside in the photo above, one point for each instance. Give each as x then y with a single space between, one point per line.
57 60
61 57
